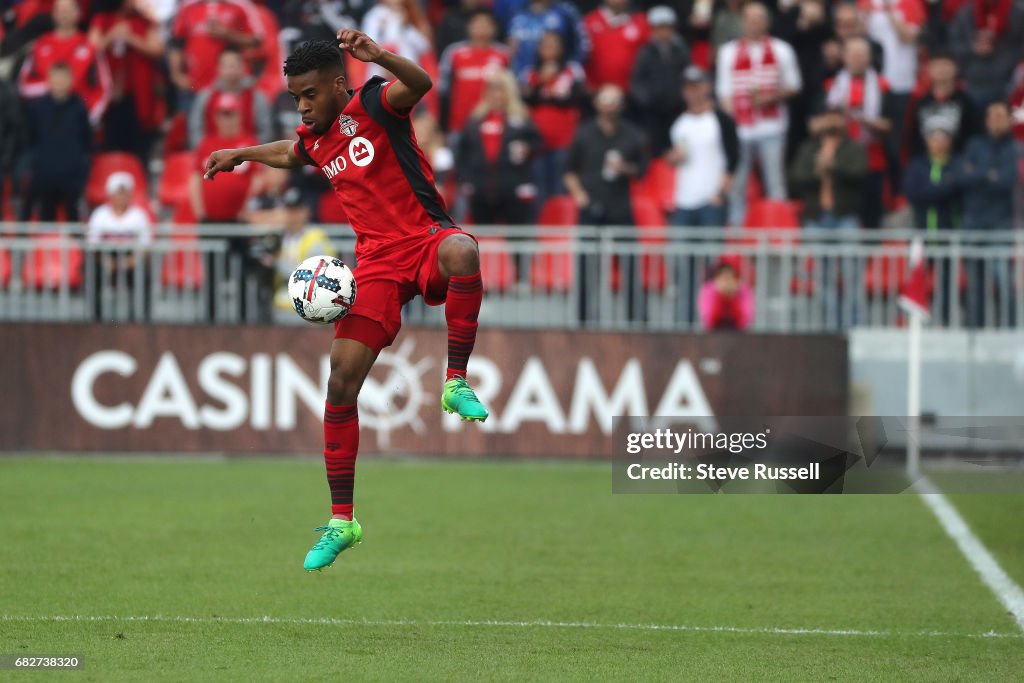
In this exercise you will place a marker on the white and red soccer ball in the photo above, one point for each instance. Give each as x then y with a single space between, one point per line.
322 288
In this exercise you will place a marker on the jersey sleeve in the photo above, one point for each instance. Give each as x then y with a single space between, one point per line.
300 148
373 96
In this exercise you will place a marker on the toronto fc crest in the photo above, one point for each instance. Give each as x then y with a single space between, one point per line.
348 125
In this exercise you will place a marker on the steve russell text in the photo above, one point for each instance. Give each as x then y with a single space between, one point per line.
679 471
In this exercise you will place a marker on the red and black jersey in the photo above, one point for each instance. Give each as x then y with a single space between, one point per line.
378 171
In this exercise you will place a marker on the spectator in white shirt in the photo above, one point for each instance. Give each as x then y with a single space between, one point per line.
705 152
119 220
399 26
896 25
757 75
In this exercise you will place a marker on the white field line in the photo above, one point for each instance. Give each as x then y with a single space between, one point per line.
330 621
992 575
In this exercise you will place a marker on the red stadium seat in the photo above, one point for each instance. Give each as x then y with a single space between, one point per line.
183 214
659 184
650 222
174 181
554 271
5 268
647 212
330 209
772 214
497 267
110 162
560 210
46 267
183 268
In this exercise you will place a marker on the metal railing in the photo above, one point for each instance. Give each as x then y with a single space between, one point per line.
604 278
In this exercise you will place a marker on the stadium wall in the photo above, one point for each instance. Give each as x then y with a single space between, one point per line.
260 389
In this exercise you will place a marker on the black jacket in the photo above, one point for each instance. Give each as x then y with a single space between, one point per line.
12 126
658 76
501 178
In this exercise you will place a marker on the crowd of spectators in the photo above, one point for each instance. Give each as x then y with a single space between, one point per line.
849 110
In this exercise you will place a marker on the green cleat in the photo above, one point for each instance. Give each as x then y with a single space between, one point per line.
459 398
339 535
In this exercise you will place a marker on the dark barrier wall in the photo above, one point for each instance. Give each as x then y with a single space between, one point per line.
259 389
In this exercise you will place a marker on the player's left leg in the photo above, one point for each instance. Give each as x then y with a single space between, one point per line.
458 259
351 361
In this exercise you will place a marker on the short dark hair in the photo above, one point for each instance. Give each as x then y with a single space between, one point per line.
941 54
1002 104
314 55
482 12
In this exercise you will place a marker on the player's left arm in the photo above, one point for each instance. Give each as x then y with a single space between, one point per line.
411 81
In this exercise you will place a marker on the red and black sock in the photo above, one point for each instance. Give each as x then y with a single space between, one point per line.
465 292
341 445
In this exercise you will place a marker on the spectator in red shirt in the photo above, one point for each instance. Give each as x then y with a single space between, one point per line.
66 44
465 66
862 92
616 36
232 77
223 199
201 31
556 94
129 39
724 302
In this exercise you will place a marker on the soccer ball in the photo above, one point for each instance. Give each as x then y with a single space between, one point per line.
322 288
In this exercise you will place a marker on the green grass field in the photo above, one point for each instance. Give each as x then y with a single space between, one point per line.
166 569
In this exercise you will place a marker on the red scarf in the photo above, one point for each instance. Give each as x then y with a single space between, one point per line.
746 77
992 16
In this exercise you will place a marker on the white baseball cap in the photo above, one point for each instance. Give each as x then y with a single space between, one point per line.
120 180
661 15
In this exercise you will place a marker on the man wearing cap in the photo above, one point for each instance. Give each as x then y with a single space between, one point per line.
122 222
930 182
119 219
705 152
223 202
656 84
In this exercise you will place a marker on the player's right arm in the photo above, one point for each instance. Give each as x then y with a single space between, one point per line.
280 154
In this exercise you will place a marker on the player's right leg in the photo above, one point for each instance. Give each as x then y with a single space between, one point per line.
351 360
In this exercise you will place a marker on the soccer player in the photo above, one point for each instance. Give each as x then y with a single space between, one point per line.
406 243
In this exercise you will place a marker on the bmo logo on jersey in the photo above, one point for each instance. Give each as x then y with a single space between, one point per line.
360 153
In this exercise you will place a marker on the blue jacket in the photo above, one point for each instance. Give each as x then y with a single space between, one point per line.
934 192
526 28
988 174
